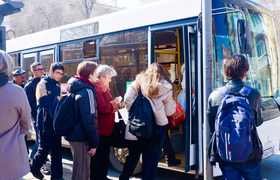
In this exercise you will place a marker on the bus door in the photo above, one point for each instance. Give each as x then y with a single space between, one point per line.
174 48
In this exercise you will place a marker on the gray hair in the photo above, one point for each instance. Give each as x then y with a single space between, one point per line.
104 69
6 63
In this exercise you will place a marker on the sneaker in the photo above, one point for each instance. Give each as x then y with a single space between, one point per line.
45 170
37 174
176 162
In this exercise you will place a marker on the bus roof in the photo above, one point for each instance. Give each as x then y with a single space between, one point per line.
154 13
150 14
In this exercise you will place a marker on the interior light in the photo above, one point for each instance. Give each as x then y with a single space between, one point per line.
93 42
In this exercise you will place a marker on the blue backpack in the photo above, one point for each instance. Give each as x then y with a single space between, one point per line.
233 125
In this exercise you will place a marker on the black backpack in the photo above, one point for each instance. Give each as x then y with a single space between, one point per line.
64 120
141 117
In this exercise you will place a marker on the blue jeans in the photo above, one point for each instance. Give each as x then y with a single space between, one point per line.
35 147
237 172
151 150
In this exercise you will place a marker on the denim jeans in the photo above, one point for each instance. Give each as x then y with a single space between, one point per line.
151 151
35 147
237 172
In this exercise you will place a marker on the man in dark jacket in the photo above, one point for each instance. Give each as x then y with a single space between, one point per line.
30 89
47 96
236 69
84 139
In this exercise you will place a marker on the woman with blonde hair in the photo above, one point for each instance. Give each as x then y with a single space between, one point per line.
156 86
15 121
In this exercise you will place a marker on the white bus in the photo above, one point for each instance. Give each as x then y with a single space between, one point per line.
169 32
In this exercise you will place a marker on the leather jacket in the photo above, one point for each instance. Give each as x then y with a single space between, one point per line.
256 104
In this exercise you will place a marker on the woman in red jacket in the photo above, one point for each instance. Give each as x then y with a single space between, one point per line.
106 107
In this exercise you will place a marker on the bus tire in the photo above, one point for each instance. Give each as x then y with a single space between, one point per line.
117 159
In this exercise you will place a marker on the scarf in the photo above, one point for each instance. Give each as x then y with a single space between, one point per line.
83 79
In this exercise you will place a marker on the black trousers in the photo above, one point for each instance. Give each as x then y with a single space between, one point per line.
99 162
131 160
48 143
168 150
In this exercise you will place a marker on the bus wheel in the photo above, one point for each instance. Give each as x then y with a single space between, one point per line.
118 157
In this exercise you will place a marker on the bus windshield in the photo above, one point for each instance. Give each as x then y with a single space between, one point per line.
264 69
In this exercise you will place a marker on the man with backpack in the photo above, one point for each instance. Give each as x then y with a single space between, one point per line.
47 95
233 113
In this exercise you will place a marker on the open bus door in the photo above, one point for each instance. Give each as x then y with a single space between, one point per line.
174 48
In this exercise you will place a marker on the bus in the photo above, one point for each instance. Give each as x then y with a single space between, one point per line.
170 32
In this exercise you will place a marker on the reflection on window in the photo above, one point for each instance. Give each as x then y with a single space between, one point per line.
70 70
16 59
127 53
79 50
262 75
260 46
28 59
46 60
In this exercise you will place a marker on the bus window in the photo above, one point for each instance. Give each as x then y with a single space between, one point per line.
28 59
70 70
46 58
127 53
263 70
16 60
78 50
17 64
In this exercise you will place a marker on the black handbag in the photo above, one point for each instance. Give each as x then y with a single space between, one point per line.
118 134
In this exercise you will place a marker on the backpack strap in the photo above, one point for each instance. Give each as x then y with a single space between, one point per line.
245 91
223 90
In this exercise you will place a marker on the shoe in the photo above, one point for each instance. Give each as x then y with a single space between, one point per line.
37 174
45 170
176 162
57 179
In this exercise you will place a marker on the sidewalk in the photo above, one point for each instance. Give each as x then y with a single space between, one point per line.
67 171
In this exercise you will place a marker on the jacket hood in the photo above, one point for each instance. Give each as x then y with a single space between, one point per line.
164 87
75 84
3 79
49 79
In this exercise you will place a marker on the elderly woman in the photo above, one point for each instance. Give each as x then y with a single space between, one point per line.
106 107
15 122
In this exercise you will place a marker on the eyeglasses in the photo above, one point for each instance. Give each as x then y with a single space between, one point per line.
58 73
41 69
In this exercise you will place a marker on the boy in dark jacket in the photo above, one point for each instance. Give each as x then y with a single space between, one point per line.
84 139
236 69
47 95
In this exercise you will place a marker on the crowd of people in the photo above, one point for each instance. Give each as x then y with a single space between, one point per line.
95 106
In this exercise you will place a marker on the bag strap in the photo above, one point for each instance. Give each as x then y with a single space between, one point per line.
120 116
245 91
223 90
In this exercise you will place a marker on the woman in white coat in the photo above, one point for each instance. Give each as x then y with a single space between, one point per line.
156 86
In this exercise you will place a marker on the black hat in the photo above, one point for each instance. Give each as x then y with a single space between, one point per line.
18 72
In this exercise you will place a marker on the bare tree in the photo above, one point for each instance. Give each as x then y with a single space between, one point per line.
88 7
